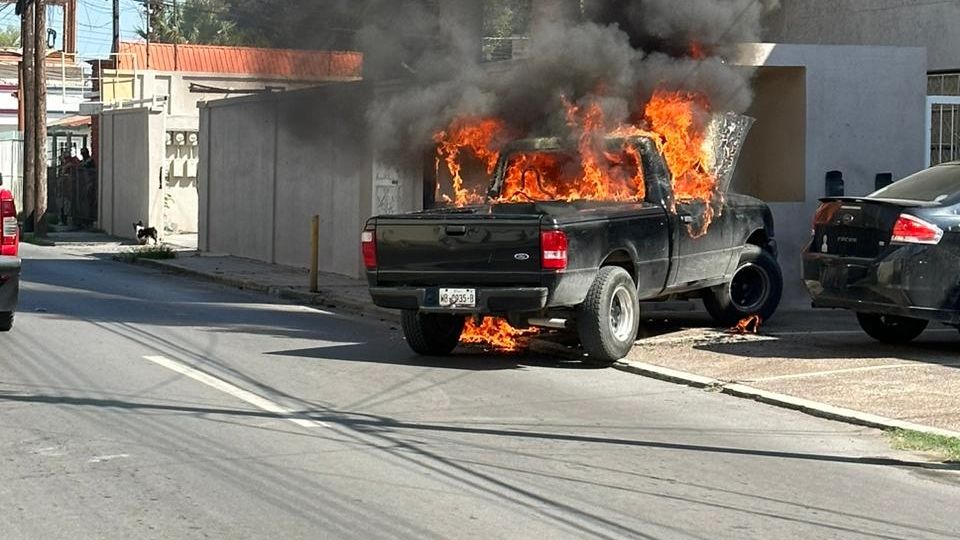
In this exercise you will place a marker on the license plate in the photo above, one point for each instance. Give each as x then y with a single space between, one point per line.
458 298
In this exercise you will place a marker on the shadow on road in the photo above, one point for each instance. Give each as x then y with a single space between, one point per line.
368 423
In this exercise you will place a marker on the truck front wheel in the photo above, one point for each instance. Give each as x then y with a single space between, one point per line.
755 289
432 334
608 319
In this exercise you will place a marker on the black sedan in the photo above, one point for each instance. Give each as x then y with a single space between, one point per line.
893 257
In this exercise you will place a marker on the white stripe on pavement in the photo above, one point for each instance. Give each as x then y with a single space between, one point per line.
235 391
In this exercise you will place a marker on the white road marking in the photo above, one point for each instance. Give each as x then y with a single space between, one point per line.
101 459
259 402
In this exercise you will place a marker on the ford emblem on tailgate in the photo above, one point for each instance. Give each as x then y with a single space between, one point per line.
522 256
848 219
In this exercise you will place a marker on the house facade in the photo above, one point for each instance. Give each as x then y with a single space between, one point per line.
928 25
148 120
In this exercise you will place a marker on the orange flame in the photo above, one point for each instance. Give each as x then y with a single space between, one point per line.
496 333
680 118
478 136
676 121
596 173
697 51
749 325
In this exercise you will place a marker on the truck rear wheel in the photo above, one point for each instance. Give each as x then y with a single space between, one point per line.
608 319
432 334
755 289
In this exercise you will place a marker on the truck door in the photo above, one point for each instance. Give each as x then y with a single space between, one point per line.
703 243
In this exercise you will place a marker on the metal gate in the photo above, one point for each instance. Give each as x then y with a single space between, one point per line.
943 129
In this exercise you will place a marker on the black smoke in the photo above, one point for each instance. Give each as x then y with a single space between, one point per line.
615 51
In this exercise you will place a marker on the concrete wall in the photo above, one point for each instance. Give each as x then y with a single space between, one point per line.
855 121
269 163
871 22
128 166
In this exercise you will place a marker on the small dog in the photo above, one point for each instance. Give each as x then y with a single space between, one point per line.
145 233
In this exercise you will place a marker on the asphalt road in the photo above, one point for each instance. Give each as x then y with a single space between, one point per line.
135 404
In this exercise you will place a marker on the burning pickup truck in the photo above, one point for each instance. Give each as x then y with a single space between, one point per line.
539 252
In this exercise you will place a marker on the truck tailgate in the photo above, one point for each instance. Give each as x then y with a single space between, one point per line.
451 249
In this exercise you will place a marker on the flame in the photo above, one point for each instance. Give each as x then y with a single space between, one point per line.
496 333
697 50
749 325
680 118
675 121
479 137
596 172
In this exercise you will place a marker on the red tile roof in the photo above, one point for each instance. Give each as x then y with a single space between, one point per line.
273 63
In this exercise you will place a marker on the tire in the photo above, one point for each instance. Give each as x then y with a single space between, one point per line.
891 328
432 334
6 321
609 317
755 289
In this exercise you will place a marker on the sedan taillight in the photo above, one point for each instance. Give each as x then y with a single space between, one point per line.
553 250
913 230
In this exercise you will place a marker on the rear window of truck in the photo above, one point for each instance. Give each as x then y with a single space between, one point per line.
555 175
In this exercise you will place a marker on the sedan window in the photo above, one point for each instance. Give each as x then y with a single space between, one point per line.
936 184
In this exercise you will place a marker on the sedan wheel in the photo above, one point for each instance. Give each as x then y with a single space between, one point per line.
891 328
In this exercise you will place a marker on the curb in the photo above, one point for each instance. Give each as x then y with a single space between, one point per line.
806 406
320 299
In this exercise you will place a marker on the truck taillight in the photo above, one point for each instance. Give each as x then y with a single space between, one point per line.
913 230
553 250
368 244
10 241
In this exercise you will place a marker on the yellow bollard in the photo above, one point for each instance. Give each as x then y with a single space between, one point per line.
314 253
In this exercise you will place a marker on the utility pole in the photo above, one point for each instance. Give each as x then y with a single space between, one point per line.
40 116
28 101
116 28
149 4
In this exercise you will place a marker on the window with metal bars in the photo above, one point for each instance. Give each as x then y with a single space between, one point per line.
943 106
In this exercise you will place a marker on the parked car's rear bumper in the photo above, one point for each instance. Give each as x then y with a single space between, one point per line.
912 281
489 300
9 283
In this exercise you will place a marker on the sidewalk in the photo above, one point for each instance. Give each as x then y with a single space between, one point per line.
816 361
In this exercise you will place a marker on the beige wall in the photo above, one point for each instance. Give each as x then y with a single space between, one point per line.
124 175
269 163
773 164
912 23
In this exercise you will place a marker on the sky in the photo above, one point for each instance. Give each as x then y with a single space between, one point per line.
94 24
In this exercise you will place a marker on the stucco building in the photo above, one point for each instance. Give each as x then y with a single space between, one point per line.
148 120
929 25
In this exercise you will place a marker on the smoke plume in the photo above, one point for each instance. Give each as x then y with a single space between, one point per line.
617 52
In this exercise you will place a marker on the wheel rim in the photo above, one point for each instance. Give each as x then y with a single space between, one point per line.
750 288
622 314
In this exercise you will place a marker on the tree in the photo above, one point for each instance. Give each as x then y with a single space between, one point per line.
205 22
506 18
10 36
